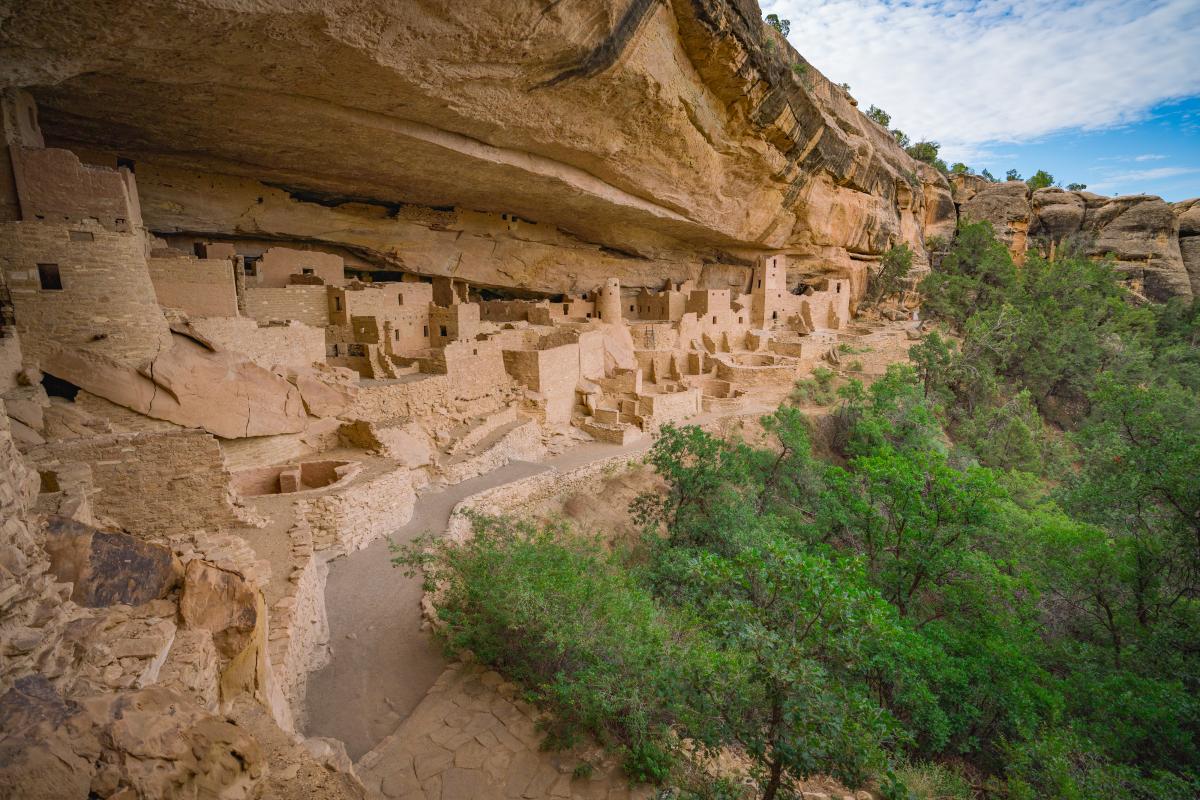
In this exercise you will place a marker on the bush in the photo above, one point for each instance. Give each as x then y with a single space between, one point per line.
892 276
555 613
817 390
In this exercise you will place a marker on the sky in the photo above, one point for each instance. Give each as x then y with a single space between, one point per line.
1100 92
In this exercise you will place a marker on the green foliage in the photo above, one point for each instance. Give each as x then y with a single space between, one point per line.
784 26
1040 180
1013 175
977 271
845 87
959 168
558 615
927 151
1076 187
817 390
877 114
892 275
901 138
986 174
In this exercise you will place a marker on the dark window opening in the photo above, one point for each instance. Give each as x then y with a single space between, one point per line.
397 336
566 308
839 288
399 299
760 283
251 265
714 320
631 309
474 351
337 304
49 481
442 328
307 271
57 387
424 330
198 249
127 163
774 315
50 277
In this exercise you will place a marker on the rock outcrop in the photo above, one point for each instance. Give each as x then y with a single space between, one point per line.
1143 233
482 141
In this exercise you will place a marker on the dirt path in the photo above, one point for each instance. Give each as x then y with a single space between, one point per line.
382 662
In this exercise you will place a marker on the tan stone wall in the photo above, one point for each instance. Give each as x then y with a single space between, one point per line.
155 483
553 373
366 510
10 358
294 345
307 304
198 287
280 263
107 304
53 186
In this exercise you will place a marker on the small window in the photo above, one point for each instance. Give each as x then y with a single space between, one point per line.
839 288
397 336
442 328
741 321
307 271
337 304
400 299
631 309
198 249
774 315
760 283
251 266
50 278
127 163
424 330
474 351
566 308
714 320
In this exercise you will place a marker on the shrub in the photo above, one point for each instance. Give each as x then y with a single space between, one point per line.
1040 180
817 390
892 275
555 613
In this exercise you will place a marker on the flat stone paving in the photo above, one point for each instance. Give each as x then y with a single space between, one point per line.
473 738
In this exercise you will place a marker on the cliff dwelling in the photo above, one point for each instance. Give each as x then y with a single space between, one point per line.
281 287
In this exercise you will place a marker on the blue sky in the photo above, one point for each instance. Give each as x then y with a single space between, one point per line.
1102 92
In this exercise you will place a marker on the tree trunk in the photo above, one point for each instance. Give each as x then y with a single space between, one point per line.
776 779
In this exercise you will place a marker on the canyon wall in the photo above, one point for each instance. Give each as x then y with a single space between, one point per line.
514 143
1153 242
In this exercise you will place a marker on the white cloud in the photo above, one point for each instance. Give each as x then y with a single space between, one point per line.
969 73
1149 157
1139 176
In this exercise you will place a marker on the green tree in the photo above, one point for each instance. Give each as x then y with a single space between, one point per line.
988 175
878 115
892 275
927 151
959 168
1013 175
1040 180
1076 187
901 138
784 26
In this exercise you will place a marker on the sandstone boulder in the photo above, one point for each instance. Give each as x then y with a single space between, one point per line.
223 393
1142 232
108 568
222 602
48 749
1057 214
1006 206
1188 214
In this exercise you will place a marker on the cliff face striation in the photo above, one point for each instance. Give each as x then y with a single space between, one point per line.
508 142
1152 241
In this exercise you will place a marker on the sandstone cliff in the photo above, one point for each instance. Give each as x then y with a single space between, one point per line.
1152 241
510 142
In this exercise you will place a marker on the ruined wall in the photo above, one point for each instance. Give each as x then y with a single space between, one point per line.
552 373
154 483
53 186
107 303
197 287
294 345
278 264
306 304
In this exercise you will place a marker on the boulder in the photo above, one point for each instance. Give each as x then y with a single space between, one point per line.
108 568
224 393
222 602
1006 207
1142 233
48 748
1056 213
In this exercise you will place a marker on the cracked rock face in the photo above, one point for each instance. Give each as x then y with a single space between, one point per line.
510 142
1150 240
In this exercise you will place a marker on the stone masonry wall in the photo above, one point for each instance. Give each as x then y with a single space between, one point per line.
293 345
107 304
369 508
200 287
155 483
307 304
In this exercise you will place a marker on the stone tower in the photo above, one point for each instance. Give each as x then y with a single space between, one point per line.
767 288
608 302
